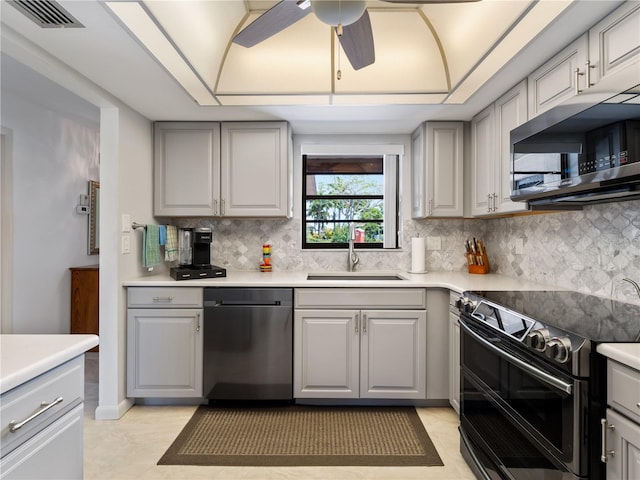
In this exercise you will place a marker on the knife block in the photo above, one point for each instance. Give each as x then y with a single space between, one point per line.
478 269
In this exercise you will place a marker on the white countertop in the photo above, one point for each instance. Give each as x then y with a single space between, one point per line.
24 357
625 353
457 281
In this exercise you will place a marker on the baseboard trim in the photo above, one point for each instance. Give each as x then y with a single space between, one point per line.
113 412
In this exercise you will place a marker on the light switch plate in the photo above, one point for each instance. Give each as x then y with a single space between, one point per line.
126 222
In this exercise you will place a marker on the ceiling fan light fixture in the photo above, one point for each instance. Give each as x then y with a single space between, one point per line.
334 12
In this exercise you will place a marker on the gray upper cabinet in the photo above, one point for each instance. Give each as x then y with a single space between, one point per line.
491 153
605 51
186 168
234 169
614 43
255 169
560 78
437 158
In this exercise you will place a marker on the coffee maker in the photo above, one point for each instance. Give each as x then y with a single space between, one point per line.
202 237
194 254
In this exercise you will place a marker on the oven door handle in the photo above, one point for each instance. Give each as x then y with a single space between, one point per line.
535 372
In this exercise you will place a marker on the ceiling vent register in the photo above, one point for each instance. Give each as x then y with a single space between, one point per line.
46 14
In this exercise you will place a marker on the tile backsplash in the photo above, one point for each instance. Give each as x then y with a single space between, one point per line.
590 250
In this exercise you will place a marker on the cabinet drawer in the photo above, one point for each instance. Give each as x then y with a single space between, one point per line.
623 389
55 452
395 298
164 297
20 403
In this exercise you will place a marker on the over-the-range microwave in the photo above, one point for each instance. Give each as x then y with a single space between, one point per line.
576 154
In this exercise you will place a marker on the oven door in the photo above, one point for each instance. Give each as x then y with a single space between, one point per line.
526 417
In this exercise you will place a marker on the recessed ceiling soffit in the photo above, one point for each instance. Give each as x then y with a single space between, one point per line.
423 53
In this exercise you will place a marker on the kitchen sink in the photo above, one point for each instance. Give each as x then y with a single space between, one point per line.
360 276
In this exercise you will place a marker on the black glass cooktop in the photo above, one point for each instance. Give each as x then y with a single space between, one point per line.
594 318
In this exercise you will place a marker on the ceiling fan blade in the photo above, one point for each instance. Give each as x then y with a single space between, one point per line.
429 1
357 42
274 20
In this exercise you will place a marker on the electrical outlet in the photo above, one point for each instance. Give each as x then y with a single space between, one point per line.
519 246
126 244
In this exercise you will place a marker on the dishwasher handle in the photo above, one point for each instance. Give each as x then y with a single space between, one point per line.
241 303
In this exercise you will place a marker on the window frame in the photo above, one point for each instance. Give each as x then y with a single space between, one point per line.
390 198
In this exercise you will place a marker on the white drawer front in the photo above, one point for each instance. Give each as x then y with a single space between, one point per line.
623 389
164 297
394 298
24 401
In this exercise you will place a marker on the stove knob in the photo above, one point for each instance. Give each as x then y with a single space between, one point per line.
537 339
558 349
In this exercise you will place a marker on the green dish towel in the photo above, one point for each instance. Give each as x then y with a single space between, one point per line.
151 246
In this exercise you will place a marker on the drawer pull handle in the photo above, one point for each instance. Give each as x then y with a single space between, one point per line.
44 406
162 299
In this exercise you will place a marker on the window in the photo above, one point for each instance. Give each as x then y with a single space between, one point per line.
340 189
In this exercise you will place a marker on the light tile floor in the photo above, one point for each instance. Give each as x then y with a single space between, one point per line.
130 447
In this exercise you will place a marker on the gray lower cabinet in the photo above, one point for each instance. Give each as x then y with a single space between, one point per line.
49 444
621 443
356 352
164 342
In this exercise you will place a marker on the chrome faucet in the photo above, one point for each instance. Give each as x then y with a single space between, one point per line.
353 257
634 284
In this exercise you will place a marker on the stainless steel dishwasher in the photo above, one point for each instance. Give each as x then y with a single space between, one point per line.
248 343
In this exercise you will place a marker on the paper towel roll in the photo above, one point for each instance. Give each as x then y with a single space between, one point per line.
417 255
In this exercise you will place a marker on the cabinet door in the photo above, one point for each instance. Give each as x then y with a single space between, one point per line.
393 354
255 169
326 354
444 169
623 438
454 362
482 161
164 353
614 43
186 168
437 155
560 78
418 173
510 112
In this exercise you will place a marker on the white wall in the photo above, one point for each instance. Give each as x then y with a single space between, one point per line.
55 153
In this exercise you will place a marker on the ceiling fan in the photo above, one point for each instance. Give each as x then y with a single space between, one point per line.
349 18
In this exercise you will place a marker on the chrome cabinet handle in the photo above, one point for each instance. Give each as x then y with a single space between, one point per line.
364 323
604 454
215 206
357 322
44 407
222 207
578 75
495 202
588 68
197 322
430 206
162 299
488 203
